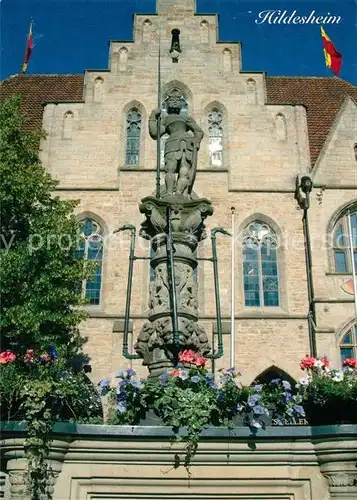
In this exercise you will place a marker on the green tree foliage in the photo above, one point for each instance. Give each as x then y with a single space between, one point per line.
39 271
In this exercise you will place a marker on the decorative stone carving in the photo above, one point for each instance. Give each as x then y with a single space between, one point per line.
341 479
187 218
18 485
181 146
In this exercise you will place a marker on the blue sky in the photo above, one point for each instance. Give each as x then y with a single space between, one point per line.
72 35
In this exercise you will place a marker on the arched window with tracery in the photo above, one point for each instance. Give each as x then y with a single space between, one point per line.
184 112
133 133
348 344
91 248
215 138
341 242
260 266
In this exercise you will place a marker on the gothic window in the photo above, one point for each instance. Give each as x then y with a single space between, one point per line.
260 266
341 243
184 112
348 345
133 132
67 125
215 140
91 248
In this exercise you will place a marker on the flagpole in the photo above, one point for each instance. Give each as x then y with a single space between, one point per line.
158 144
354 277
232 339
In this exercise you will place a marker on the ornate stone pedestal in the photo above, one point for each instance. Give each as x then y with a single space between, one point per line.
156 342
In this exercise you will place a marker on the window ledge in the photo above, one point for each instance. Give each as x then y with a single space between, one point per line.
348 274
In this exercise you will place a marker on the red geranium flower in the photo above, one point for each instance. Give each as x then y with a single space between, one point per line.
29 356
308 362
191 357
325 362
7 357
175 373
351 362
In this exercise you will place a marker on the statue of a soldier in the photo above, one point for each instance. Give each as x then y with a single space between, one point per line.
180 147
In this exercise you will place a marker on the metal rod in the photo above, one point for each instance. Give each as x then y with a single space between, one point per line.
132 257
158 139
171 279
219 353
310 285
354 277
232 339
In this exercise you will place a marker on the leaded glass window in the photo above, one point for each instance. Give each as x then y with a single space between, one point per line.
260 266
133 132
348 345
341 243
91 248
215 140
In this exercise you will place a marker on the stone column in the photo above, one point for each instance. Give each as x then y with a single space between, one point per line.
338 463
16 467
156 341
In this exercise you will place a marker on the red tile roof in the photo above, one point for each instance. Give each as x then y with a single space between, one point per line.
322 98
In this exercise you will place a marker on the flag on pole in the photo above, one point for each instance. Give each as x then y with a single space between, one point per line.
333 59
28 51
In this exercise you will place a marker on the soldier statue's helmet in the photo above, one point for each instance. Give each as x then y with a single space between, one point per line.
174 100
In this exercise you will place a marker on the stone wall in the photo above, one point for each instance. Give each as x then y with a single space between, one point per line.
104 462
265 148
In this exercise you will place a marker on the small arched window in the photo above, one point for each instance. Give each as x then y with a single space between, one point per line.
341 242
260 266
67 129
215 138
91 248
348 344
98 89
133 132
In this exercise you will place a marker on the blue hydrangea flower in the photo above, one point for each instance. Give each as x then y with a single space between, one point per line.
225 379
104 386
121 374
253 399
286 385
299 410
121 407
184 375
287 397
135 383
124 382
231 370
257 387
130 372
212 384
275 381
164 376
195 379
209 376
52 352
259 410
